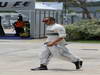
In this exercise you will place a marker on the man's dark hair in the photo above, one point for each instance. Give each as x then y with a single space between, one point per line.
20 17
52 18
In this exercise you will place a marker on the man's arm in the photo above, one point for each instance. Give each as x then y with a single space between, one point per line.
62 34
55 42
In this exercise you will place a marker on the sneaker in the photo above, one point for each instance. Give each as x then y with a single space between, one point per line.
81 63
42 67
78 64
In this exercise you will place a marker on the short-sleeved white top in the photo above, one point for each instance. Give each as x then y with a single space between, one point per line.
55 31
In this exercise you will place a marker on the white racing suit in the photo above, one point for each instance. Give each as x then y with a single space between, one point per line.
60 51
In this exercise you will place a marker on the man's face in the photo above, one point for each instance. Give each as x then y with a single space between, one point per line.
47 21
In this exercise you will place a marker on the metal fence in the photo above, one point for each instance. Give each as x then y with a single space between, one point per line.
60 17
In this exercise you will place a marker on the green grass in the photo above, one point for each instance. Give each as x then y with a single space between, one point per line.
86 41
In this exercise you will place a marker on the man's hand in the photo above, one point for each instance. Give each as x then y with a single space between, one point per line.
51 43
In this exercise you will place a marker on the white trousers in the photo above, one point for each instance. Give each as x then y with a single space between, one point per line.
58 51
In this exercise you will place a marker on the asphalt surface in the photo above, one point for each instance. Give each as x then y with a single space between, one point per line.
17 57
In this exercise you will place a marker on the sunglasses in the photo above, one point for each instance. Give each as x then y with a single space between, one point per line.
45 20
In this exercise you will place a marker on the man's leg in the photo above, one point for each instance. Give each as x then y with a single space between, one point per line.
17 31
44 59
66 54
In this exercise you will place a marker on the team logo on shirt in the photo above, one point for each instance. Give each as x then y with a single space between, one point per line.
51 32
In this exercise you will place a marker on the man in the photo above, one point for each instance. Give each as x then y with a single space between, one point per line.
19 26
55 45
